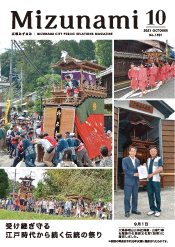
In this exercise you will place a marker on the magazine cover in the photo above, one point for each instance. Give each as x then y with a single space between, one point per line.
87 111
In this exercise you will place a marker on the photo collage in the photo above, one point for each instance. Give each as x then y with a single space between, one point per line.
87 129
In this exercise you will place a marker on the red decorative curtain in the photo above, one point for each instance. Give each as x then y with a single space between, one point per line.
92 134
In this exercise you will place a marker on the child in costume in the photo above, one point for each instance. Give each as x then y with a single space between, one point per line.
142 77
133 75
152 75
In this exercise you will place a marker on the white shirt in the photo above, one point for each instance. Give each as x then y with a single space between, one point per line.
51 205
70 84
133 161
9 132
35 126
3 202
38 131
45 144
68 204
110 207
20 129
44 204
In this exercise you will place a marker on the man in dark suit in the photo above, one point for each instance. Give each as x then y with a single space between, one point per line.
130 165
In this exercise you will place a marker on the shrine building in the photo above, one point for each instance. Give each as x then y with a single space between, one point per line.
143 124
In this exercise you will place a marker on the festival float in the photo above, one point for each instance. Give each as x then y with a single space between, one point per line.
26 188
83 115
154 54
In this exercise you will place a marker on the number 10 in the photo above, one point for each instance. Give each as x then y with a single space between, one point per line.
159 19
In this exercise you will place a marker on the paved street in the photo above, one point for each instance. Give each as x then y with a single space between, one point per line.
167 205
165 91
6 162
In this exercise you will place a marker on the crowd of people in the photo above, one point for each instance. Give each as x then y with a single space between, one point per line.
51 206
139 75
69 151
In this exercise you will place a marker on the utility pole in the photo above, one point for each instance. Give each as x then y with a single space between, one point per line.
21 86
11 62
0 70
166 50
1 90
30 174
14 185
53 77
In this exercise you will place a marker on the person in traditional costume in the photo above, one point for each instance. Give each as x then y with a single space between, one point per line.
82 152
138 68
163 73
133 75
157 75
152 75
160 73
49 150
172 70
142 77
70 142
167 71
147 70
19 155
29 154
59 150
71 87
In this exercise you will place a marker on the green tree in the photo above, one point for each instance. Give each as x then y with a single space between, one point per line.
5 63
3 183
103 52
11 184
39 190
93 184
7 126
10 94
42 92
19 108
71 46
30 104
48 80
45 49
40 53
38 107
86 50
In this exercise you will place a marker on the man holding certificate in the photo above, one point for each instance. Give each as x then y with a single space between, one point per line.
154 166
130 167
